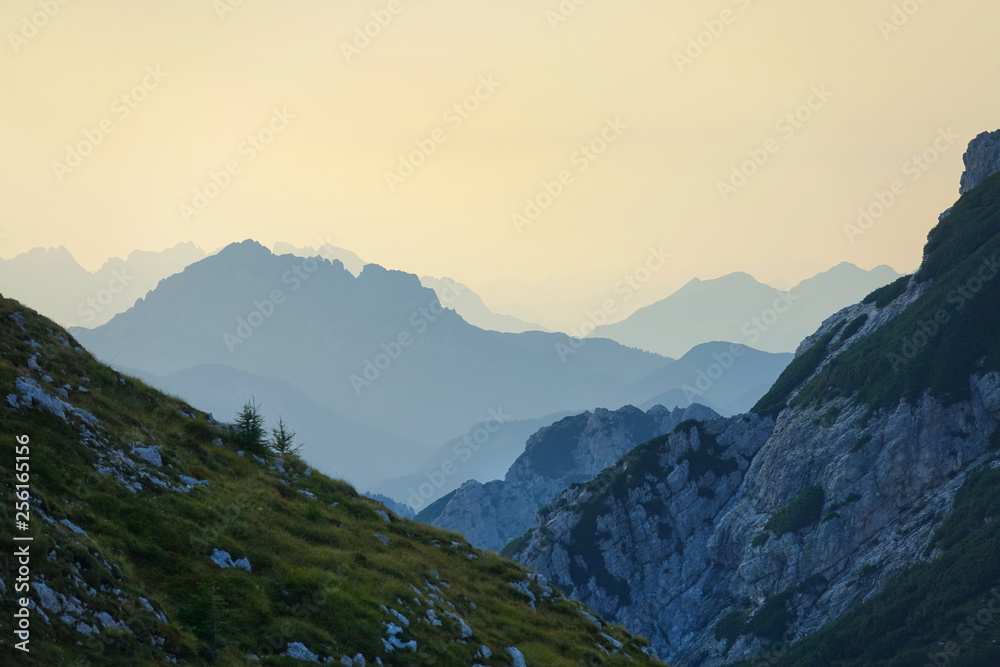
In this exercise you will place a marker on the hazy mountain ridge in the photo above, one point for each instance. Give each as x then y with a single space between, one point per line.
50 279
53 280
727 377
470 306
324 331
484 453
330 440
354 264
739 309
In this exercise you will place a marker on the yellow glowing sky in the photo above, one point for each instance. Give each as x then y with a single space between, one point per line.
322 179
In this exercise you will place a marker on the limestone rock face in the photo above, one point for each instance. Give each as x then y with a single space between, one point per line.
674 539
572 450
982 160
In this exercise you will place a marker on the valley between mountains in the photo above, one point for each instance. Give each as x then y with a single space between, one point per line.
663 495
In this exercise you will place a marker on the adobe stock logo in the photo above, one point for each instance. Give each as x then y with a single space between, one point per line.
626 288
262 311
454 117
752 330
364 35
30 26
419 321
967 631
900 17
463 451
707 377
713 31
249 149
563 12
122 108
582 159
89 309
915 168
787 127
224 7
957 300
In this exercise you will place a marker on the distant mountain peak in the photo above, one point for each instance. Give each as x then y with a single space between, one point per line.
247 246
61 252
350 261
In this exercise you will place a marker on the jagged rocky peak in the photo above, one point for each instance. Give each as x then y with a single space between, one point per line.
982 160
573 450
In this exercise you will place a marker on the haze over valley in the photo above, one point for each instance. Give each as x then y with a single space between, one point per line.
521 334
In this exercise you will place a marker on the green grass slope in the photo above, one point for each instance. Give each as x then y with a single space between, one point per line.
121 566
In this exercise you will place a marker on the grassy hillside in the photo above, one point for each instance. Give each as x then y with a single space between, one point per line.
121 561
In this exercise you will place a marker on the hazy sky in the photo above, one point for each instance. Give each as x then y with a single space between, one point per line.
675 130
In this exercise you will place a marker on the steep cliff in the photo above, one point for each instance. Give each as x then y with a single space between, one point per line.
982 160
572 450
731 537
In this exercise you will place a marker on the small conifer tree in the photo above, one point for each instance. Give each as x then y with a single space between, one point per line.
249 432
283 439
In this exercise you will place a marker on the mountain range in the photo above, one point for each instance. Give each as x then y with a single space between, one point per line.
739 309
483 453
849 518
379 348
727 378
351 261
470 306
248 323
51 280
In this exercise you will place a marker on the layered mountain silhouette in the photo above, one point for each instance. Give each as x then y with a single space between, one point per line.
51 280
350 260
378 347
727 377
470 306
330 441
54 280
460 297
483 453
739 309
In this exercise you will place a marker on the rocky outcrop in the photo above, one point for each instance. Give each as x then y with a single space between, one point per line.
636 542
982 160
573 450
724 539
689 540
